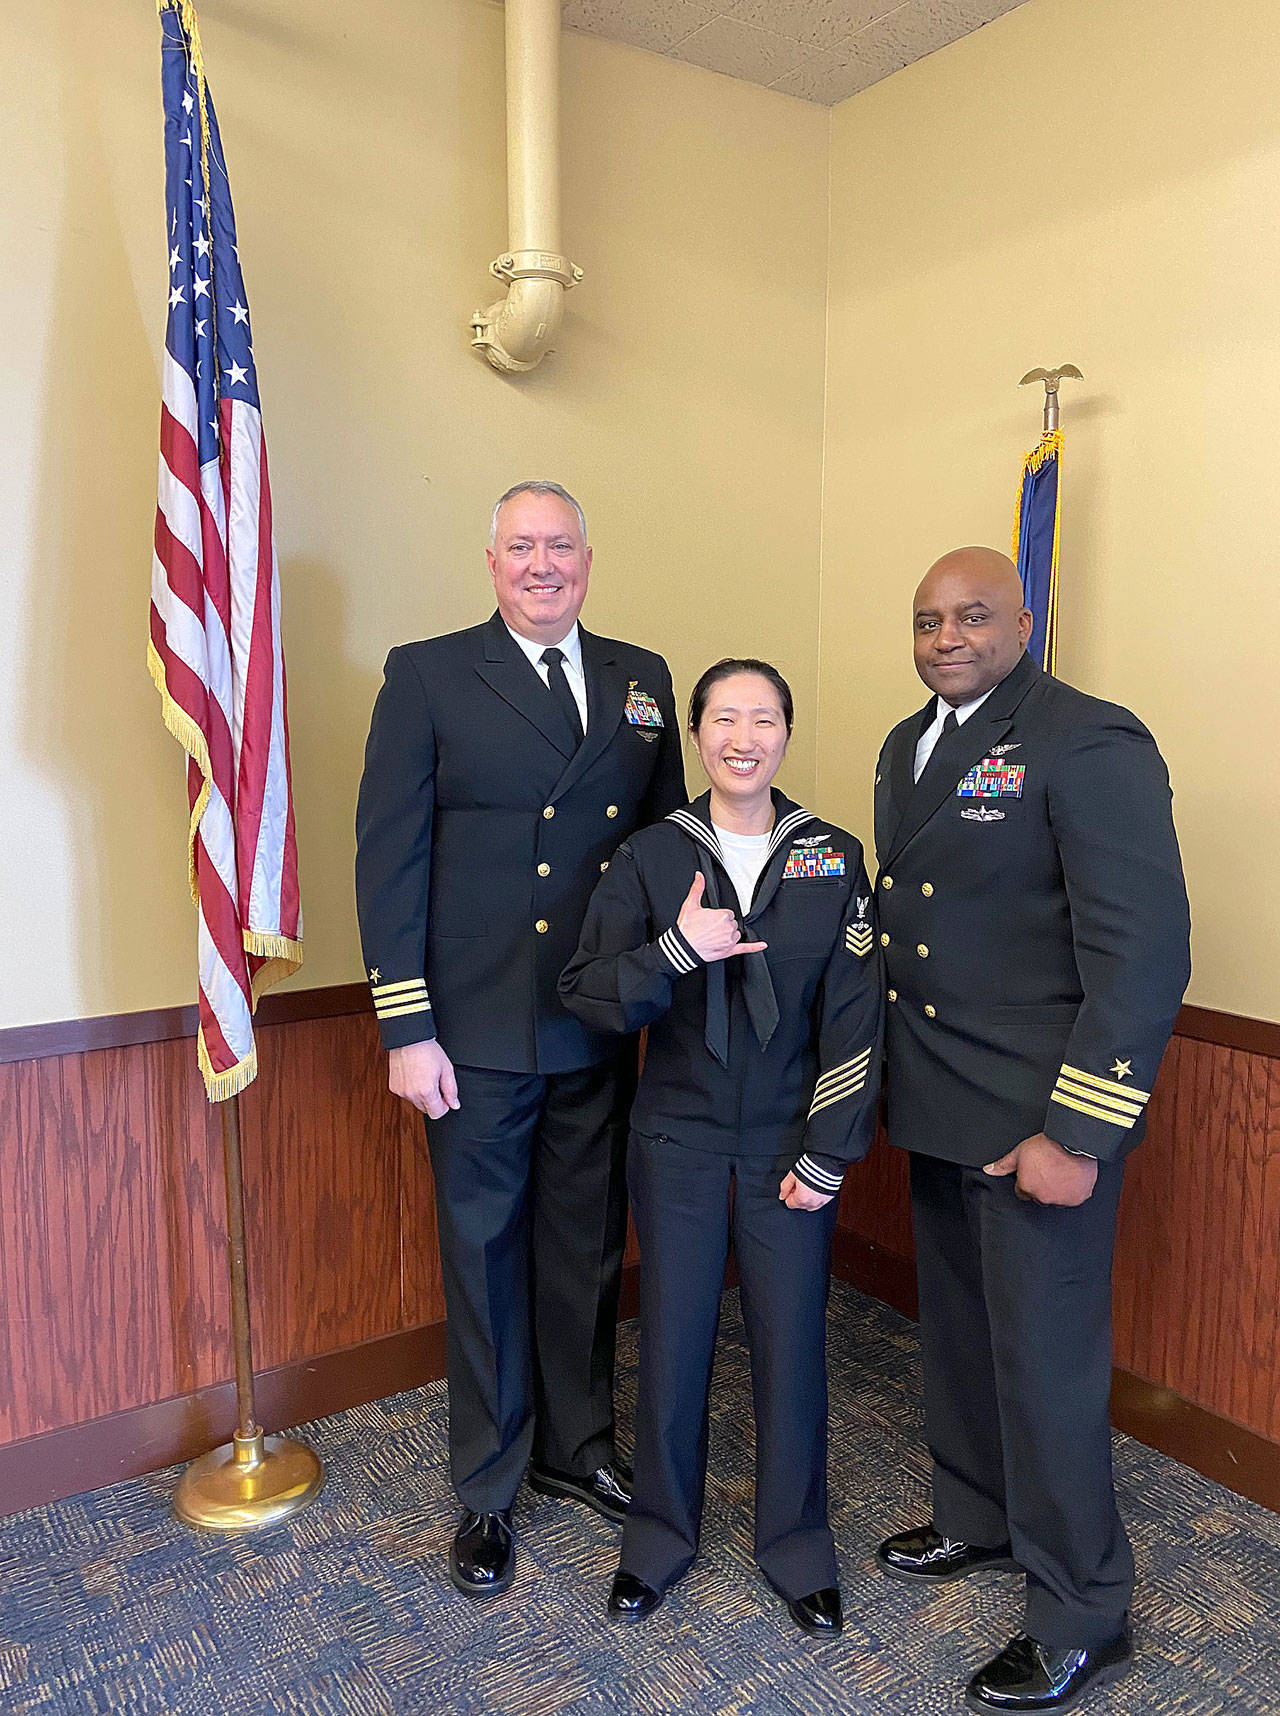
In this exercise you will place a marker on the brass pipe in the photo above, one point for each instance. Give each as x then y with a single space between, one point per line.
515 332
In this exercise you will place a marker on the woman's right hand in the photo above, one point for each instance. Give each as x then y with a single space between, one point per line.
712 934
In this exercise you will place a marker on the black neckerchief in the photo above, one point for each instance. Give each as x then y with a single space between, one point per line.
757 983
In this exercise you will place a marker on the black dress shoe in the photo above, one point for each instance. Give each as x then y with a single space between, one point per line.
819 1613
607 1489
482 1557
926 1557
1029 1676
630 1599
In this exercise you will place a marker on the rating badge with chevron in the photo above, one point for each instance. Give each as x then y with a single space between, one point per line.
857 935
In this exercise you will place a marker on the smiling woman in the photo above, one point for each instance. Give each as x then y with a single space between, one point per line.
738 930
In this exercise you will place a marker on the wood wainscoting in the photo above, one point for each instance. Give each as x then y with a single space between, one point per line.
114 1344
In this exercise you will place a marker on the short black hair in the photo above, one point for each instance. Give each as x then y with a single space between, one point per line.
725 669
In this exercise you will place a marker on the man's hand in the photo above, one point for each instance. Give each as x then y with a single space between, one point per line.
423 1074
797 1196
1047 1174
712 934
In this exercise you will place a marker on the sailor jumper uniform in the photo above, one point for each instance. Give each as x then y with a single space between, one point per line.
771 1053
756 1065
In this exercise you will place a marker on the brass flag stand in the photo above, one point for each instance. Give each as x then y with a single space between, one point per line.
254 1480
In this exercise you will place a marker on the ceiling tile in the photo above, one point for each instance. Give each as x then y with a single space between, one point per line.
832 78
915 29
654 24
815 23
741 50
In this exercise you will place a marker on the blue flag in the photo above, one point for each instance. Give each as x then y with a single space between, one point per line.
1035 544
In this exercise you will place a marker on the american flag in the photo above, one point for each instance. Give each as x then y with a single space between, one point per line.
215 651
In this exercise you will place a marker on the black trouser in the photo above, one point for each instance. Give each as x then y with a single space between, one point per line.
1015 1328
680 1201
531 1210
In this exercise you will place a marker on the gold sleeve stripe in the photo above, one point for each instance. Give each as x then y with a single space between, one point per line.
855 1075
394 1012
1091 1111
835 1084
829 1098
389 989
1118 1105
1106 1084
857 1064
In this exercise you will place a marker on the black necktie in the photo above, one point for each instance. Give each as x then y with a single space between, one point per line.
558 685
948 728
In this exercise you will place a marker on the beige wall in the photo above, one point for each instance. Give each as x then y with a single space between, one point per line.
1133 232
365 145
1094 181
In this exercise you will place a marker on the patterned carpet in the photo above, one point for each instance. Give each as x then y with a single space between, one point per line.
107 1604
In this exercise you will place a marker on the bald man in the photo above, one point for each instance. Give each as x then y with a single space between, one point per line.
1035 932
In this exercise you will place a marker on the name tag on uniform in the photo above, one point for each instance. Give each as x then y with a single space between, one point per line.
807 863
641 710
992 778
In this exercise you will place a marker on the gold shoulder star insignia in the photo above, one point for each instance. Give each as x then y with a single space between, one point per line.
375 976
1122 1069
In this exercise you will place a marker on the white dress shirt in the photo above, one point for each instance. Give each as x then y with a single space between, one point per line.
571 647
933 732
744 858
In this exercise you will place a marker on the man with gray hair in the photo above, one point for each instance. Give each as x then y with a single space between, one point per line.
505 765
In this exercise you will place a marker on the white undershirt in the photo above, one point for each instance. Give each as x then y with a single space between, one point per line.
571 645
933 732
744 856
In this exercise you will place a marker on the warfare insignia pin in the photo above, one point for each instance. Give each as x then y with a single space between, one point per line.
999 750
813 863
640 709
981 813
811 839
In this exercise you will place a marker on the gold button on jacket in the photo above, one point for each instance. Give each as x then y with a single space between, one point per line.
544 869
922 950
542 926
926 888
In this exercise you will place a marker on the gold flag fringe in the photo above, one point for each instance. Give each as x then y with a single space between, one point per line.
1049 446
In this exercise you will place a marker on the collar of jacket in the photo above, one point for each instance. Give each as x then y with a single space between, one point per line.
917 801
508 671
788 819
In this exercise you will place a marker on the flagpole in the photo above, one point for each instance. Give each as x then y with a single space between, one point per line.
254 1480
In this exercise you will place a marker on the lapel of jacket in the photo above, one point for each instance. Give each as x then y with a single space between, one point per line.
510 673
956 755
899 768
607 688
